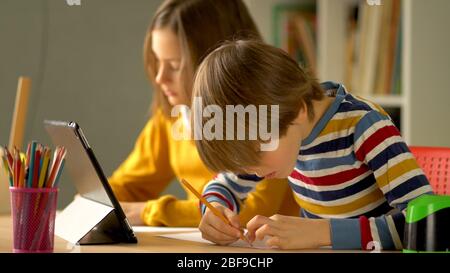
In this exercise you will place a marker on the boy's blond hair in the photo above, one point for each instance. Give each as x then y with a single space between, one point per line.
249 72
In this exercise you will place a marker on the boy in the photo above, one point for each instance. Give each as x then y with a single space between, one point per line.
348 167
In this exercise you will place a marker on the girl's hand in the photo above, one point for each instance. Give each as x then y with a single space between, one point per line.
287 232
133 212
215 230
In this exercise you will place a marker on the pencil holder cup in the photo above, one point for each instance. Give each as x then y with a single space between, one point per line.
33 213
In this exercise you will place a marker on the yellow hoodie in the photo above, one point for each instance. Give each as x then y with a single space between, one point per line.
157 158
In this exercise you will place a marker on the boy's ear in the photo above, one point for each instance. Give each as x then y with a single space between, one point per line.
302 115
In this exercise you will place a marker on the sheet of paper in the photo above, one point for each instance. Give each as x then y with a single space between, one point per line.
197 237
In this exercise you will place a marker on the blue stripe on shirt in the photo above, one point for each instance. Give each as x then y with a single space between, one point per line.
399 222
380 210
388 153
324 147
250 177
368 121
352 105
237 187
383 233
325 163
406 187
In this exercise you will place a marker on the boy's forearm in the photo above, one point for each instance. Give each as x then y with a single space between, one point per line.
323 232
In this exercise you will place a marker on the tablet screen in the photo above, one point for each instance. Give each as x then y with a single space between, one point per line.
81 163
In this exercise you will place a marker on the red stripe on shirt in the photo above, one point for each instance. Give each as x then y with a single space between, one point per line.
366 235
331 179
221 197
375 139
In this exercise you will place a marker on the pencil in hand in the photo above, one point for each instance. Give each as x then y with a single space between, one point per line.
213 209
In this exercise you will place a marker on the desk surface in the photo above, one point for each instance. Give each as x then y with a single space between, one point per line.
148 242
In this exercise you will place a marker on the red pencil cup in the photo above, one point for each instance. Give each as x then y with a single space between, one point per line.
33 212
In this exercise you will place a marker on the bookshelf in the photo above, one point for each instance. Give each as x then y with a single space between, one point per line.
333 35
423 94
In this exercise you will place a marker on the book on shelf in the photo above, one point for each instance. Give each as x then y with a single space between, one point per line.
373 49
295 31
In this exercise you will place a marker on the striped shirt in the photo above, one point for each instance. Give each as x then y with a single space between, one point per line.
354 169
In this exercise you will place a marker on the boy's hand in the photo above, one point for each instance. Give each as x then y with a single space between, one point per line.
133 212
215 230
287 232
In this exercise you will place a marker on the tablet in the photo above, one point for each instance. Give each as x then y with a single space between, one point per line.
90 182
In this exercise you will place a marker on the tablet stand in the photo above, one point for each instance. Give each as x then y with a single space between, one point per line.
87 222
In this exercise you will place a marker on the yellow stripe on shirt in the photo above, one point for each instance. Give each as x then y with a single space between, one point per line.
396 171
340 125
363 201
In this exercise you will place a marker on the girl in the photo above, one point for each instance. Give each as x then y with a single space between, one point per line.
180 35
